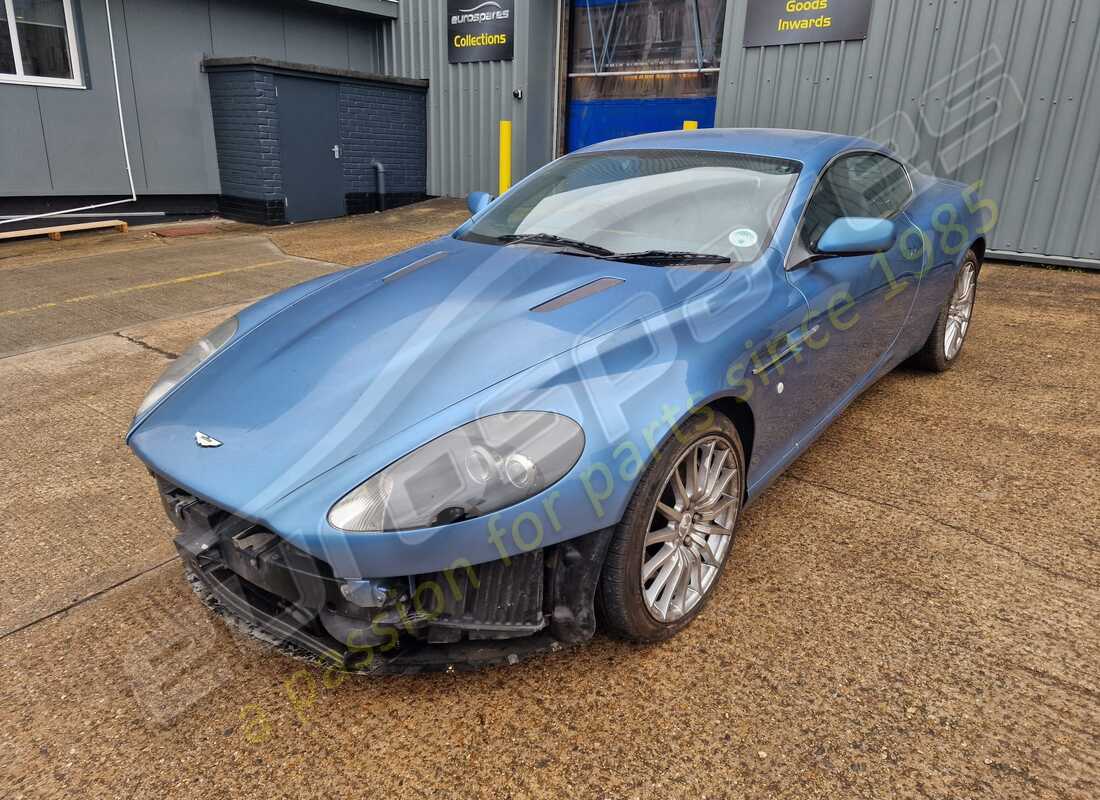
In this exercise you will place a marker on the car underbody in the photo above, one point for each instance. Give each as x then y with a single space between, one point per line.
467 617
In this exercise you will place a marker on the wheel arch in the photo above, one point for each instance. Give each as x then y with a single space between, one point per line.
733 408
740 414
979 247
738 411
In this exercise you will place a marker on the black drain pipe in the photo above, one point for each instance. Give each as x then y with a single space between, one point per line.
379 183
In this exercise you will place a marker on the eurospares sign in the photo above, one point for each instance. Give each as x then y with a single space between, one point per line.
480 30
799 21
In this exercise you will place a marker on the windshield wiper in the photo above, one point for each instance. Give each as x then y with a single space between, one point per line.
552 239
642 257
669 257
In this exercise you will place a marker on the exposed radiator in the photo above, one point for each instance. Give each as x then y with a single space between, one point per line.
493 600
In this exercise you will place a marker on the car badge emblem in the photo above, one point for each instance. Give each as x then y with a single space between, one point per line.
202 440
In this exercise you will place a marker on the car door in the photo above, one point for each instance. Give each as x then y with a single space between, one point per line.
857 304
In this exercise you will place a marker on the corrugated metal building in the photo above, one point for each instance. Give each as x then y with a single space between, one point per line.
467 101
1000 91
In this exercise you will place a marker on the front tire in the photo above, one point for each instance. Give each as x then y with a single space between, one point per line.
949 333
668 551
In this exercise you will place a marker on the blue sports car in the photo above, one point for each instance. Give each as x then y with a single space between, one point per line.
550 421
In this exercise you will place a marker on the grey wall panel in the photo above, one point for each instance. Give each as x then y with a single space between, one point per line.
167 39
165 97
365 48
314 36
467 101
1063 139
83 135
240 29
383 9
24 167
1002 91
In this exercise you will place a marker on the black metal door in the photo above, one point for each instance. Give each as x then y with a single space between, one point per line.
313 178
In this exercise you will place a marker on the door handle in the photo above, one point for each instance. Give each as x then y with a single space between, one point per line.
336 151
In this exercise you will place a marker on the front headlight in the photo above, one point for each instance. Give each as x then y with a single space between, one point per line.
185 364
485 465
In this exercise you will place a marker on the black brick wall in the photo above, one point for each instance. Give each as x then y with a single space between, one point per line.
378 122
246 128
388 124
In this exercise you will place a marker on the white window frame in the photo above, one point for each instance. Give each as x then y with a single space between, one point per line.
75 82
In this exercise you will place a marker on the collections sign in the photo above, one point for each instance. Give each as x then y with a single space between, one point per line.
797 21
480 30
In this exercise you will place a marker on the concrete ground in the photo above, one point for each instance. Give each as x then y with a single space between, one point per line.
911 611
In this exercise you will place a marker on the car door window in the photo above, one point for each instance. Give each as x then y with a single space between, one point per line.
859 185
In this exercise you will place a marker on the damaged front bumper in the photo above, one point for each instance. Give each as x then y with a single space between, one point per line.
470 616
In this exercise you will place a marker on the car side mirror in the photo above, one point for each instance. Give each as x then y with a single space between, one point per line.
857 236
478 201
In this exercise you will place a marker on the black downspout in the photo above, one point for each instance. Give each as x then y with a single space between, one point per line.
379 184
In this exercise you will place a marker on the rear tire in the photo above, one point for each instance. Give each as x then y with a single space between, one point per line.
948 336
669 550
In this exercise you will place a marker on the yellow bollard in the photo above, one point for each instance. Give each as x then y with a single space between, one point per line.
691 125
505 155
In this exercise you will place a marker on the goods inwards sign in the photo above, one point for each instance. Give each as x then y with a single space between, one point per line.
797 21
480 30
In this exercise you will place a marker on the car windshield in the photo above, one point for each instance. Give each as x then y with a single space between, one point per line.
646 202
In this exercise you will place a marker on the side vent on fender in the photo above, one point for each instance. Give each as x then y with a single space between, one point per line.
581 292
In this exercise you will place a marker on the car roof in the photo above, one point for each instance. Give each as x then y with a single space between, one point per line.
814 149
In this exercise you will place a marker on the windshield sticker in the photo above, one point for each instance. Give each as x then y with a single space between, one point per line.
743 237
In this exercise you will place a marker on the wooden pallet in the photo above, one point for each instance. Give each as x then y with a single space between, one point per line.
55 231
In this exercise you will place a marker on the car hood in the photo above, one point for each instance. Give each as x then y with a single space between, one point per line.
335 372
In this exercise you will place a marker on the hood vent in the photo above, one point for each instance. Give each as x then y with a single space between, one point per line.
581 292
409 269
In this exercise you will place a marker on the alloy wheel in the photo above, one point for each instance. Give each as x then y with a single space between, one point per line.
690 529
959 311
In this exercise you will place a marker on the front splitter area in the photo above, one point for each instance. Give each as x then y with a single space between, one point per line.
410 659
488 615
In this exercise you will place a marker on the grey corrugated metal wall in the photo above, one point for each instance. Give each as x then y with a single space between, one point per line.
1004 91
467 101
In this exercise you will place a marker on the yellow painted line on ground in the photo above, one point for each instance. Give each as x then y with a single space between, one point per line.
202 276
